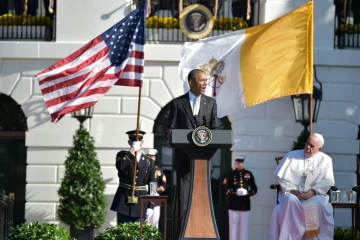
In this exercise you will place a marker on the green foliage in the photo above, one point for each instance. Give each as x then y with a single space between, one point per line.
301 140
344 234
130 231
82 199
37 231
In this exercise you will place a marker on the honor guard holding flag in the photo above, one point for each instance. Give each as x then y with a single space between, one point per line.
239 185
161 186
127 209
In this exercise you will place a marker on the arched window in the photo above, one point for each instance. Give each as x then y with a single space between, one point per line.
13 155
12 117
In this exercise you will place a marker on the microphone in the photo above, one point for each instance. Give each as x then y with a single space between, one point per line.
196 118
206 123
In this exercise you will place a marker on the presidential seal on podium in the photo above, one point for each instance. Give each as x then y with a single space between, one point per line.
196 21
202 136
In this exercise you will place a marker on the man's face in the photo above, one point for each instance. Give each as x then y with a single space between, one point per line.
312 146
199 84
153 158
239 165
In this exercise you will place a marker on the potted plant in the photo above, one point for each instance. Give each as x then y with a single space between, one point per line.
130 231
36 231
82 199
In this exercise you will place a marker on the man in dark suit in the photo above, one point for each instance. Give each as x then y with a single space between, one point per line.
145 173
187 112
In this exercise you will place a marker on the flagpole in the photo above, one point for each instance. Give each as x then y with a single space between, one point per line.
311 112
312 67
133 198
148 8
180 7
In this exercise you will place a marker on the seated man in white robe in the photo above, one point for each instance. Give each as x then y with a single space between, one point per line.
304 211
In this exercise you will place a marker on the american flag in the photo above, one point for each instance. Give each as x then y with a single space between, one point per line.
81 79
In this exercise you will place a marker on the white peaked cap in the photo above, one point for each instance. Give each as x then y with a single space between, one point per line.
240 156
152 152
320 137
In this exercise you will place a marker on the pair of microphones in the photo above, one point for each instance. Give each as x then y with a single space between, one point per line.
197 121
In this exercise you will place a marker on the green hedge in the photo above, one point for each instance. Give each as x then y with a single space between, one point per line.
130 231
38 231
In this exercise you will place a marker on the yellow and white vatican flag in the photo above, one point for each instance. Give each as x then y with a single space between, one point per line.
254 65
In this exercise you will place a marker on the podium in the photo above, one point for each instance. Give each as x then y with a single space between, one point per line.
200 222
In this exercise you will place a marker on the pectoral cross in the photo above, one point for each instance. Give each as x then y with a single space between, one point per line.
303 179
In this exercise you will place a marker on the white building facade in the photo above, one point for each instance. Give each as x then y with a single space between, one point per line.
261 132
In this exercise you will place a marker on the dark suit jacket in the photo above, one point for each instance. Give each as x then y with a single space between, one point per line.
145 174
181 117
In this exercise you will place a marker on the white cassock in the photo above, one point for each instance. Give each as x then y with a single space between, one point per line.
294 219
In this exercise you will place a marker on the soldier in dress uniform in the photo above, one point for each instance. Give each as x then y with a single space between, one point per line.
145 173
239 185
161 180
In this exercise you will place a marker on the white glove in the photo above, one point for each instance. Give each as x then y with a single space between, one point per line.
241 192
149 212
136 145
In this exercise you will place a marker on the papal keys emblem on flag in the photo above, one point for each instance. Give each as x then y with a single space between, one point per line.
214 69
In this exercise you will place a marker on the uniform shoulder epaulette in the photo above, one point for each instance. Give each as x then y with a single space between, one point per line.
121 155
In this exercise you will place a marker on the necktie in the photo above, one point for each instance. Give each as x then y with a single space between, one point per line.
196 106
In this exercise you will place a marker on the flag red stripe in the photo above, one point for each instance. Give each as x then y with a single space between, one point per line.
58 115
129 83
75 69
128 68
137 54
139 69
74 55
68 97
65 84
100 90
134 68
